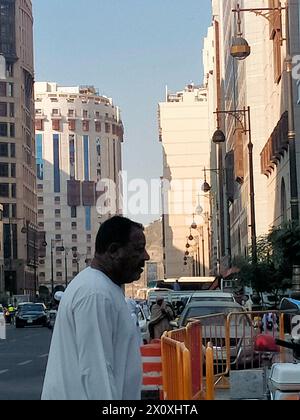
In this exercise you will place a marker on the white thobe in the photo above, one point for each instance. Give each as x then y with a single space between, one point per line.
94 353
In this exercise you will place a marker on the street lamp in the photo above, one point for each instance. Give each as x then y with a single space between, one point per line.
243 117
238 52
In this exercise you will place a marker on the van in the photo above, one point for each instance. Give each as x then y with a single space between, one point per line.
212 295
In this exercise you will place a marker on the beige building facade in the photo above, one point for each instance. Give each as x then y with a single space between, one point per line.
79 136
259 82
154 268
184 133
17 147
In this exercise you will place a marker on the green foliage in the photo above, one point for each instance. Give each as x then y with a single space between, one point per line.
277 252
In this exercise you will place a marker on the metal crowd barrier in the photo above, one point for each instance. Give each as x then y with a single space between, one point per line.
198 358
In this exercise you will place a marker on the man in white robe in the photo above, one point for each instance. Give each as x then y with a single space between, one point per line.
94 352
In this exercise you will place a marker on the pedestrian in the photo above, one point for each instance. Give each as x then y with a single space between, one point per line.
176 286
94 354
161 315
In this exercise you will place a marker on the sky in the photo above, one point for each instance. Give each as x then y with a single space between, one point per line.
130 50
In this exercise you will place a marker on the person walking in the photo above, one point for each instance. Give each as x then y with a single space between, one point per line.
161 315
94 353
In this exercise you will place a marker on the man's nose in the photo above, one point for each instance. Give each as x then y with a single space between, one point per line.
146 256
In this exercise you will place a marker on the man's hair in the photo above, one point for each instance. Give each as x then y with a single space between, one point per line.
114 230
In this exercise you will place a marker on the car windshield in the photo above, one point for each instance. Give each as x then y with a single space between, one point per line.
210 298
31 308
196 312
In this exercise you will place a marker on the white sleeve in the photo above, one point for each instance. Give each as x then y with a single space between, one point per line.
94 337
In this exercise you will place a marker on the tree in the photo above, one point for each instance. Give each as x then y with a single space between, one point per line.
266 275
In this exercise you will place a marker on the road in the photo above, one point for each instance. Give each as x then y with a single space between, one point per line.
23 359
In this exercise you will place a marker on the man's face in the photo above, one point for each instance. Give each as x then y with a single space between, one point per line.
130 262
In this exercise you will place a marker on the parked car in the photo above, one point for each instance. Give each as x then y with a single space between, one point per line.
143 319
211 295
242 332
29 314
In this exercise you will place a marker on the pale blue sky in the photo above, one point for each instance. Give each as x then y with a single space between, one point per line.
130 50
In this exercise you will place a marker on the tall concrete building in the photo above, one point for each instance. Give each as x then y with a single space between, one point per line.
260 82
17 146
184 133
78 143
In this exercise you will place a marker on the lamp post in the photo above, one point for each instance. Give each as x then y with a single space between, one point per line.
239 51
243 117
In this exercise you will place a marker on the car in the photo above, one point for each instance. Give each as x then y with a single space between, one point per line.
143 320
29 314
211 295
242 332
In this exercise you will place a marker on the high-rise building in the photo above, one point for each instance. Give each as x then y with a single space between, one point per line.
260 82
17 146
78 143
184 133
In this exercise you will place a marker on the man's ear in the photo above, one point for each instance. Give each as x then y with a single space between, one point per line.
114 248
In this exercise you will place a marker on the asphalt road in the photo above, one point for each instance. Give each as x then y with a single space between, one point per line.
23 359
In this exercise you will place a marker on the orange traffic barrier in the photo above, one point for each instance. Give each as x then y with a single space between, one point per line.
152 369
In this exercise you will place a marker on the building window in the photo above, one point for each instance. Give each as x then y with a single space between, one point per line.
57 200
42 274
40 200
56 125
74 225
3 130
39 156
98 147
3 109
59 262
98 126
10 92
13 210
85 125
39 125
74 238
13 170
4 190
2 89
11 110
41 225
88 224
56 165
89 238
55 112
4 170
13 190
71 113
40 187
4 149
6 211
86 158
12 130
89 250
57 212
85 114
58 237
59 274
72 125
107 128
12 150
72 156
57 225
40 212
42 262
73 212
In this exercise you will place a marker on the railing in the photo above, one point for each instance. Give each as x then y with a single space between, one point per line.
198 358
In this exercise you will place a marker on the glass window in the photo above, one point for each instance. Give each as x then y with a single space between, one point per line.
4 149
56 163
4 170
4 190
12 130
58 237
13 190
2 89
3 109
57 225
57 200
6 210
11 110
57 212
13 170
3 130
73 212
12 150
10 90
13 210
